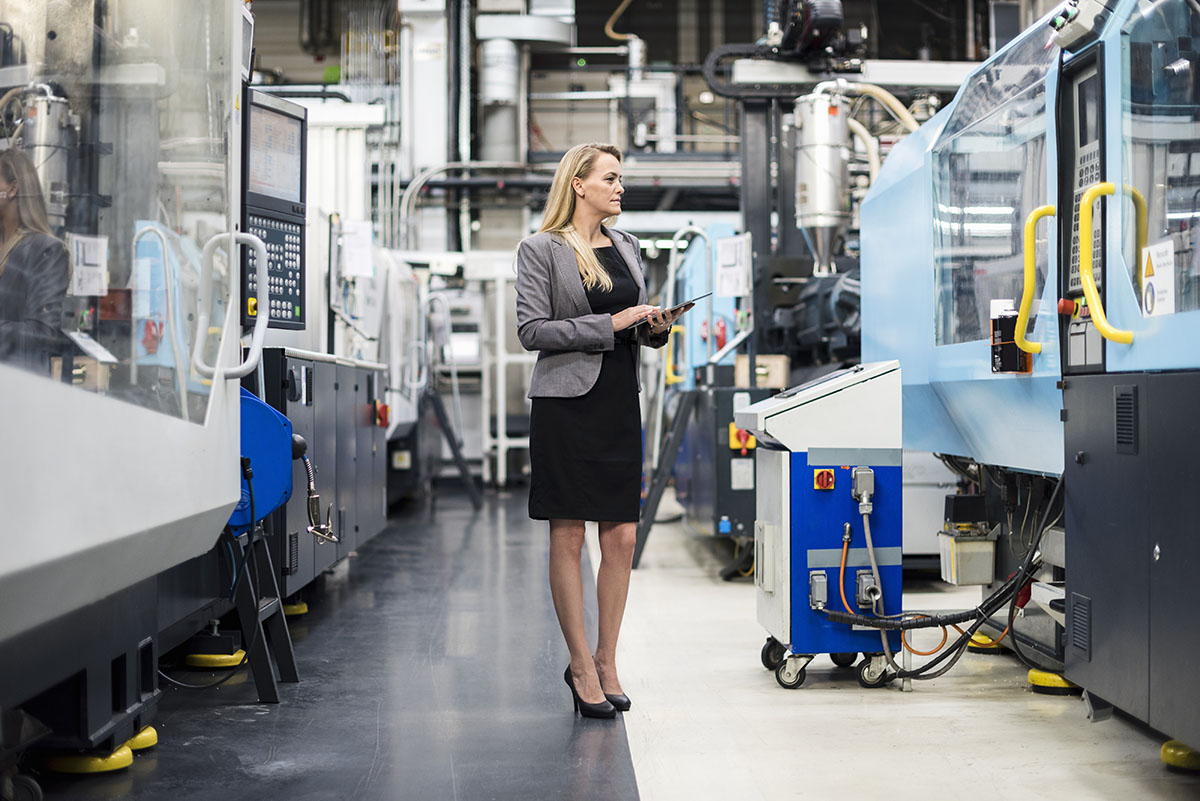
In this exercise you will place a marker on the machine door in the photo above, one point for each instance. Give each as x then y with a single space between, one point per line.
117 125
991 173
1149 191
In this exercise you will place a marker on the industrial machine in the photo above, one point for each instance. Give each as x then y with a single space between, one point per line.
811 146
1087 119
129 472
157 170
829 519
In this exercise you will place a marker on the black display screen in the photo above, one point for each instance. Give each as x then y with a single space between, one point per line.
1089 110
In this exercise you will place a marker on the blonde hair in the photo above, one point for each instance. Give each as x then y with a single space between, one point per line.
578 162
17 168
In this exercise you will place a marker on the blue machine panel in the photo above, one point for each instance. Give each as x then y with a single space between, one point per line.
267 442
818 518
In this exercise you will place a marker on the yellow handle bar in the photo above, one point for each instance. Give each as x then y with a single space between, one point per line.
1030 278
672 376
1086 277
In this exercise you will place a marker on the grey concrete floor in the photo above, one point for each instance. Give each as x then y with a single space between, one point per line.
708 722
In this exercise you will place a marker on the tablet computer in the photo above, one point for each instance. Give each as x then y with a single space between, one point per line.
676 307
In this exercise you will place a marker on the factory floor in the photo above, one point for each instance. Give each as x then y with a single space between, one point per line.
431 668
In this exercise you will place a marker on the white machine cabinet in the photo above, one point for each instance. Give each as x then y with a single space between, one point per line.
812 441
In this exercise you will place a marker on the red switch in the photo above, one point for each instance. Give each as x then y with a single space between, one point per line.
721 334
1067 307
743 437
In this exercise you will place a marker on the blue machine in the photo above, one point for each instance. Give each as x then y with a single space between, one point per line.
828 519
267 443
1060 189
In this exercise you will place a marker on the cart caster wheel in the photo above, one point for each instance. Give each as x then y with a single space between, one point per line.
772 653
873 673
844 660
25 788
789 677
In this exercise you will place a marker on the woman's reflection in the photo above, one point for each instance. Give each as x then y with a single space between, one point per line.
33 269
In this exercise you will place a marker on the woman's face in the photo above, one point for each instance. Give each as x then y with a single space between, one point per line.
8 190
601 190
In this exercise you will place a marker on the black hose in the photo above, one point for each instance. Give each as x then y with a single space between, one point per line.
1024 573
898 624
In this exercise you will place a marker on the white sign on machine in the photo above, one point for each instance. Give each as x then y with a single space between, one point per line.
1158 279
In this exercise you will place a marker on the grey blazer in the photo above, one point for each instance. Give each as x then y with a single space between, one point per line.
554 317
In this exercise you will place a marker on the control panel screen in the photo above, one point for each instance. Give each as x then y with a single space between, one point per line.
275 153
1089 110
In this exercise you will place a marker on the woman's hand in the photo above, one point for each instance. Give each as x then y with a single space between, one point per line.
661 321
633 315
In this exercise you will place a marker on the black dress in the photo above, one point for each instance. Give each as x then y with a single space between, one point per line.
585 453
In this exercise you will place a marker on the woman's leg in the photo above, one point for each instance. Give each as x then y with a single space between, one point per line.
612 586
566 587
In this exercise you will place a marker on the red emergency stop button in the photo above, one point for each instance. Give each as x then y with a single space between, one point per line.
823 479
1067 307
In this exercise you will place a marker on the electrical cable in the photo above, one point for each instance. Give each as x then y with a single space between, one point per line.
1025 573
842 575
910 649
609 31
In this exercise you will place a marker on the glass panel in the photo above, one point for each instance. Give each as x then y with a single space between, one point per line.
1161 154
113 175
989 173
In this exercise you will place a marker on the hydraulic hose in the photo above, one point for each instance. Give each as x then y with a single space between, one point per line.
901 624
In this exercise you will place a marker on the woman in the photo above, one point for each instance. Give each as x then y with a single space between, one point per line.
580 298
33 269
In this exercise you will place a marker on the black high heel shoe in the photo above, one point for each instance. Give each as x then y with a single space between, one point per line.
620 701
604 709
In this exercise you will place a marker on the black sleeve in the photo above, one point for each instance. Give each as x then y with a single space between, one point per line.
36 334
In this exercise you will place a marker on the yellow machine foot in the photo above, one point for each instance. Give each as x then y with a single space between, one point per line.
146 738
216 660
87 763
983 644
1175 754
296 609
1046 683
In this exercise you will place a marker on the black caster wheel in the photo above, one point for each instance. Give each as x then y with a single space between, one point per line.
844 660
772 653
789 678
25 788
870 679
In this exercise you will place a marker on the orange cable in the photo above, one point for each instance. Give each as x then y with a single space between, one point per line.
842 577
910 649
978 644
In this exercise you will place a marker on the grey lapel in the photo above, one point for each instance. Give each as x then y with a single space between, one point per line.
631 259
568 269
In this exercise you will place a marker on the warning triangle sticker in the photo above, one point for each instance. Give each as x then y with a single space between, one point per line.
1149 267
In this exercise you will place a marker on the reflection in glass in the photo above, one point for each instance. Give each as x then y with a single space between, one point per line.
1161 157
989 173
120 113
33 270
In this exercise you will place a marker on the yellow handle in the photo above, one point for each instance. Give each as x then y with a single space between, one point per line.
1085 264
1139 204
672 376
1030 278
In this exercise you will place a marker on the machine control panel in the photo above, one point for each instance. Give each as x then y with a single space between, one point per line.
1083 168
273 182
285 265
